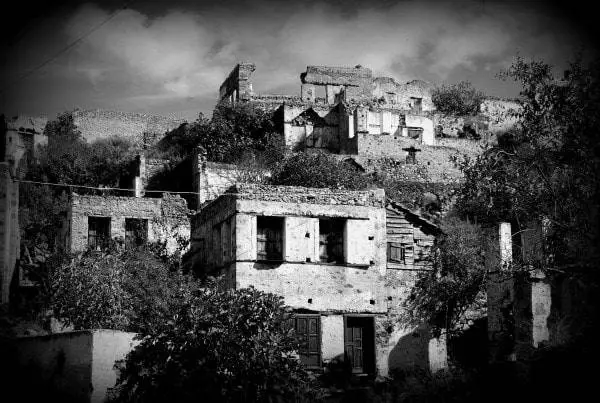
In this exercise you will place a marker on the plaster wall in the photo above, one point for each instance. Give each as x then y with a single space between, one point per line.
108 347
78 366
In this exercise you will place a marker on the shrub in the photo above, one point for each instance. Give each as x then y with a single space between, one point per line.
124 290
220 346
457 99
318 170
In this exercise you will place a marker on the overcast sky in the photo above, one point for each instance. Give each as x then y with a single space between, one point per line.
169 57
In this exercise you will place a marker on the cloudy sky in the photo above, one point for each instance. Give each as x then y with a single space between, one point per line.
169 57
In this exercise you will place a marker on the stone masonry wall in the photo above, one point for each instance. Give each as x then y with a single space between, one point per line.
167 217
97 124
298 194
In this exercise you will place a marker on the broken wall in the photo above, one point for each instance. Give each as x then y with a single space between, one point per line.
415 89
167 218
311 126
212 179
238 85
353 82
98 124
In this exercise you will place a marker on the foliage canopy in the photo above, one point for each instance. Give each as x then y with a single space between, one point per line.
459 99
219 346
318 170
548 168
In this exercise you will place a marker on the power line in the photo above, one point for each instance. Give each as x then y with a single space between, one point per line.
101 188
68 47
222 190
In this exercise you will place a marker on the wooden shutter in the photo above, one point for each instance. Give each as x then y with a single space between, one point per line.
269 238
359 242
396 252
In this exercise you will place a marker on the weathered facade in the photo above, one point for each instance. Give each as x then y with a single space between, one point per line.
20 137
94 220
212 179
355 104
326 252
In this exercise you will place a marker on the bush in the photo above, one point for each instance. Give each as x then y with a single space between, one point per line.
220 346
441 297
318 170
457 99
134 291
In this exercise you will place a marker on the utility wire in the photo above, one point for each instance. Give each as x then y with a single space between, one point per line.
68 47
220 189
101 188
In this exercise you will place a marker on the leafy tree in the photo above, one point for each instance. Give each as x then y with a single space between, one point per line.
445 296
548 168
230 135
459 99
318 170
68 159
131 290
220 346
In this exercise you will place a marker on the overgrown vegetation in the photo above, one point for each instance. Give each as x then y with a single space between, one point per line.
318 170
460 99
548 168
130 290
218 346
233 134
454 290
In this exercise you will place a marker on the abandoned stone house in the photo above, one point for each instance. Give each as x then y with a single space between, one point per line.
343 260
357 106
93 221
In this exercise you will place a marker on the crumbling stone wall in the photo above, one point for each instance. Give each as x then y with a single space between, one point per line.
354 82
311 126
97 124
415 89
238 86
433 163
167 218
20 137
212 179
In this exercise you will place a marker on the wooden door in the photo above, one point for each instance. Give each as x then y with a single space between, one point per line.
354 347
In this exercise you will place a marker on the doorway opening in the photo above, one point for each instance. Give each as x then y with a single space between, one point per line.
359 344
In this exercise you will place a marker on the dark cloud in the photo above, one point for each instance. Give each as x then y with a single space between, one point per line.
159 56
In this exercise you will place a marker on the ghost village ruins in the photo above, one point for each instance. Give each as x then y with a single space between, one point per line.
344 261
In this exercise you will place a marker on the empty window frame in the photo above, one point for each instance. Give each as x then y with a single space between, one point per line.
396 252
269 238
331 240
98 232
136 232
416 105
308 331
